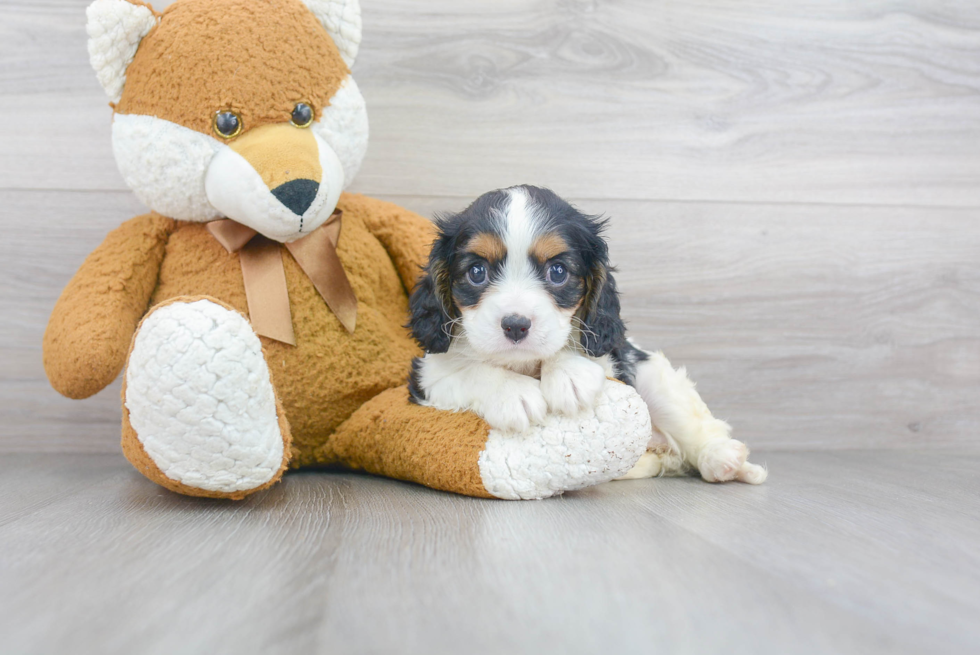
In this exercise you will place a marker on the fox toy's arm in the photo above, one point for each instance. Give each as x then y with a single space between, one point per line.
93 322
404 234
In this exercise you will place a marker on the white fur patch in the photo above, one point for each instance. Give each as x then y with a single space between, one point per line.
200 398
165 164
568 453
115 29
344 126
342 20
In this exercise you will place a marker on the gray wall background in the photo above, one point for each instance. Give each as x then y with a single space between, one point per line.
794 189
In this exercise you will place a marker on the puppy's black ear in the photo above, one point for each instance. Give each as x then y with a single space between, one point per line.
430 323
602 328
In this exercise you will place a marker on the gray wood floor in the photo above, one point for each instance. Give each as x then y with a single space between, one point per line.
854 552
794 190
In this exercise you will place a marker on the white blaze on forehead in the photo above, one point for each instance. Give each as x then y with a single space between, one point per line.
521 228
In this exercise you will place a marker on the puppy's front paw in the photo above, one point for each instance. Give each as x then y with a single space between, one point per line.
515 405
571 384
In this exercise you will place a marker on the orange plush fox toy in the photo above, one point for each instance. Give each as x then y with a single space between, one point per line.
260 327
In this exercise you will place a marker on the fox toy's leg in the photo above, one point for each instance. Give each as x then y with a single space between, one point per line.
702 441
459 452
200 415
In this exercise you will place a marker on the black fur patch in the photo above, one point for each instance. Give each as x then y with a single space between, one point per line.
625 358
416 393
429 320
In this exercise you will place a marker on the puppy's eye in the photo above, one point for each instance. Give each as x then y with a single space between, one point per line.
557 274
302 115
226 124
477 275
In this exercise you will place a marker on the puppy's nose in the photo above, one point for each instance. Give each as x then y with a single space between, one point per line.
515 327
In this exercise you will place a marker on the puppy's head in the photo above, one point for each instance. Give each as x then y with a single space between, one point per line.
518 275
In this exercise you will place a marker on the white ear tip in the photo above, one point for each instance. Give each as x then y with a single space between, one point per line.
115 29
342 19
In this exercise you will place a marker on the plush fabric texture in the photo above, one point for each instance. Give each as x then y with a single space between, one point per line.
390 436
569 452
165 165
330 372
232 55
238 189
115 29
134 451
92 324
344 126
200 398
342 19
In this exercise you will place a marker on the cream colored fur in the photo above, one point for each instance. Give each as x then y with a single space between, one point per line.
703 442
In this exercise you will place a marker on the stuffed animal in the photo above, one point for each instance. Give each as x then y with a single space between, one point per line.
258 309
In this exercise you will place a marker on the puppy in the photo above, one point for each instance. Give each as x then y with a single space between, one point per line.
518 313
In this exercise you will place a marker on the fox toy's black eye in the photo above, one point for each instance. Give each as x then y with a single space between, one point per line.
557 274
477 275
227 124
302 115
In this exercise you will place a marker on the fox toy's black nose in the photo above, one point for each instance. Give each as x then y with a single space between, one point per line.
515 327
297 195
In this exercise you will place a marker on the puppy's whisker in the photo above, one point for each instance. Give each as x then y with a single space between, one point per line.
447 328
580 324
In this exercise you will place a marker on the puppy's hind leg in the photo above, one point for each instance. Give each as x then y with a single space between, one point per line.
660 460
703 441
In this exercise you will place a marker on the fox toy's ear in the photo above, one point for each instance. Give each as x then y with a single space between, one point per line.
115 29
342 20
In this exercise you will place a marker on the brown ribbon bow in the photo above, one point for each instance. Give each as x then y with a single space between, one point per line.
265 277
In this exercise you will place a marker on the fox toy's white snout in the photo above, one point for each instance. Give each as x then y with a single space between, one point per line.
284 210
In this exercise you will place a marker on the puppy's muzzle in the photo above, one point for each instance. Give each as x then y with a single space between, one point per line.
515 327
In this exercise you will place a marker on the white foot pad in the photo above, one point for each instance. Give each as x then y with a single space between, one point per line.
200 398
569 452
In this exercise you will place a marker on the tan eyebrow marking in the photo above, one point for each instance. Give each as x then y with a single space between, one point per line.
489 246
548 246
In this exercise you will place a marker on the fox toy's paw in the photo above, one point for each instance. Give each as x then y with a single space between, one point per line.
566 453
200 414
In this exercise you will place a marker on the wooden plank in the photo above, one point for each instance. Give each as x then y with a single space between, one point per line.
710 100
855 562
30 482
804 326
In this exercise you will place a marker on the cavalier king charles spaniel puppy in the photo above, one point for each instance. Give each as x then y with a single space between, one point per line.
518 314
